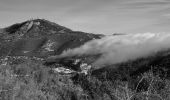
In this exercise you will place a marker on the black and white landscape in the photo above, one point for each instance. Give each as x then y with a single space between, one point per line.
126 57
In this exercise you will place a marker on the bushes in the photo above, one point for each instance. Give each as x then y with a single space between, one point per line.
148 86
33 81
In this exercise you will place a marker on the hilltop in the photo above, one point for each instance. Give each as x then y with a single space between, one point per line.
40 38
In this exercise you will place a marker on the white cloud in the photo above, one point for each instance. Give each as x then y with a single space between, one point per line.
121 48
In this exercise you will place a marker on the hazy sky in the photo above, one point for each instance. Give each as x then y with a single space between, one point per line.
95 16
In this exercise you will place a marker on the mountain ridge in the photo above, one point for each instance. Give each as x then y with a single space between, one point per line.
43 34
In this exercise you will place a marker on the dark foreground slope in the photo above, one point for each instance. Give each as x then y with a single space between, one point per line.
26 74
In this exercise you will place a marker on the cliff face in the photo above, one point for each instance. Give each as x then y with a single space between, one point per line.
27 73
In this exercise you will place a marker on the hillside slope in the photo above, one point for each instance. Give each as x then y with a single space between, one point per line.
40 38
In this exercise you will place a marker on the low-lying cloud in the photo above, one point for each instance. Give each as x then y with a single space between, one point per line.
121 48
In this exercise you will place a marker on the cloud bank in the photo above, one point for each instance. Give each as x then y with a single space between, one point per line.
121 48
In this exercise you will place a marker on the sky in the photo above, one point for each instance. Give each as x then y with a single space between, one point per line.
93 16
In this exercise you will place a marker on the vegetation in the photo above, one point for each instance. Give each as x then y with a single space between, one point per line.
34 81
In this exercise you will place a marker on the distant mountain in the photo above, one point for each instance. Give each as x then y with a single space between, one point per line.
40 38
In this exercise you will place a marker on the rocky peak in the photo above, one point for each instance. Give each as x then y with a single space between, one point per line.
36 26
